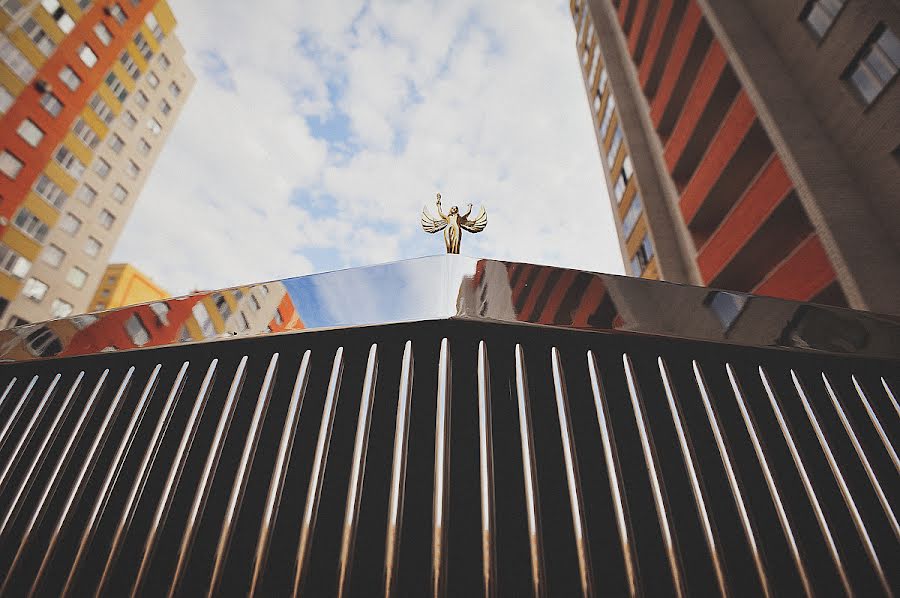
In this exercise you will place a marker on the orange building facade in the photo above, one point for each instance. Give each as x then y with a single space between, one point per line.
707 145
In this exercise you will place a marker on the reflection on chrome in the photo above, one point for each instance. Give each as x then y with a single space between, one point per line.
454 286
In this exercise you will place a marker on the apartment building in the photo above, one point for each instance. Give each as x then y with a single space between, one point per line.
90 92
751 145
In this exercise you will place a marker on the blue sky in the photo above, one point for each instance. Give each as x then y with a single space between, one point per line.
313 142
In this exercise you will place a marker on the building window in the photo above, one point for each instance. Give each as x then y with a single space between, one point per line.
69 224
86 194
51 103
144 147
153 25
92 247
130 65
11 6
50 191
201 314
60 308
102 33
623 178
876 65
16 61
30 132
164 62
10 165
102 167
116 86
818 15
70 163
142 46
76 277
154 127
129 119
604 78
133 169
116 143
607 116
642 256
594 63
160 309
726 306
106 219
63 20
174 89
119 193
255 303
85 133
614 147
31 225
53 256
164 107
87 55
12 263
116 12
631 216
141 99
6 99
34 289
278 318
222 305
102 109
39 37
152 80
137 331
69 78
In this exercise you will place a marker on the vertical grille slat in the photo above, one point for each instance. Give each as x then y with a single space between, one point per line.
494 459
842 484
318 471
529 470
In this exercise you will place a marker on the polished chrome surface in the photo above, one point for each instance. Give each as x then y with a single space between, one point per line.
26 435
453 286
486 473
440 505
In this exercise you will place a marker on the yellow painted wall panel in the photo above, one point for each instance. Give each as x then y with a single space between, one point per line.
91 118
637 235
630 190
10 81
41 208
25 45
123 76
83 152
60 177
72 8
48 25
164 16
26 246
652 270
9 286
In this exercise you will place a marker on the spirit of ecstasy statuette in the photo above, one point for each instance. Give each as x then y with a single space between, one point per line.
452 223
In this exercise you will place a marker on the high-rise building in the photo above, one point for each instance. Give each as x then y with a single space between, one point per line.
123 284
89 93
751 145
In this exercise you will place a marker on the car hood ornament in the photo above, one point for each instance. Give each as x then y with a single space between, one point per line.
452 223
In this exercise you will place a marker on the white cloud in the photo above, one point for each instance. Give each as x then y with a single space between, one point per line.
314 141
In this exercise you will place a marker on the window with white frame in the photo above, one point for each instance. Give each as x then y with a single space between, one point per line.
153 25
12 7
143 46
53 255
607 116
154 127
69 161
119 193
129 119
12 263
614 147
116 143
92 246
116 86
31 225
70 223
15 60
137 331
69 78
152 80
102 167
632 215
85 133
116 12
164 107
86 194
6 99
130 65
51 103
59 14
34 289
876 65
87 56
60 308
104 112
132 169
141 99
164 62
43 42
174 89
818 15
10 165
144 147
30 132
106 219
642 256
102 33
76 277
50 191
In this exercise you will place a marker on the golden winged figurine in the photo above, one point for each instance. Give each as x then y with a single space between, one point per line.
451 224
